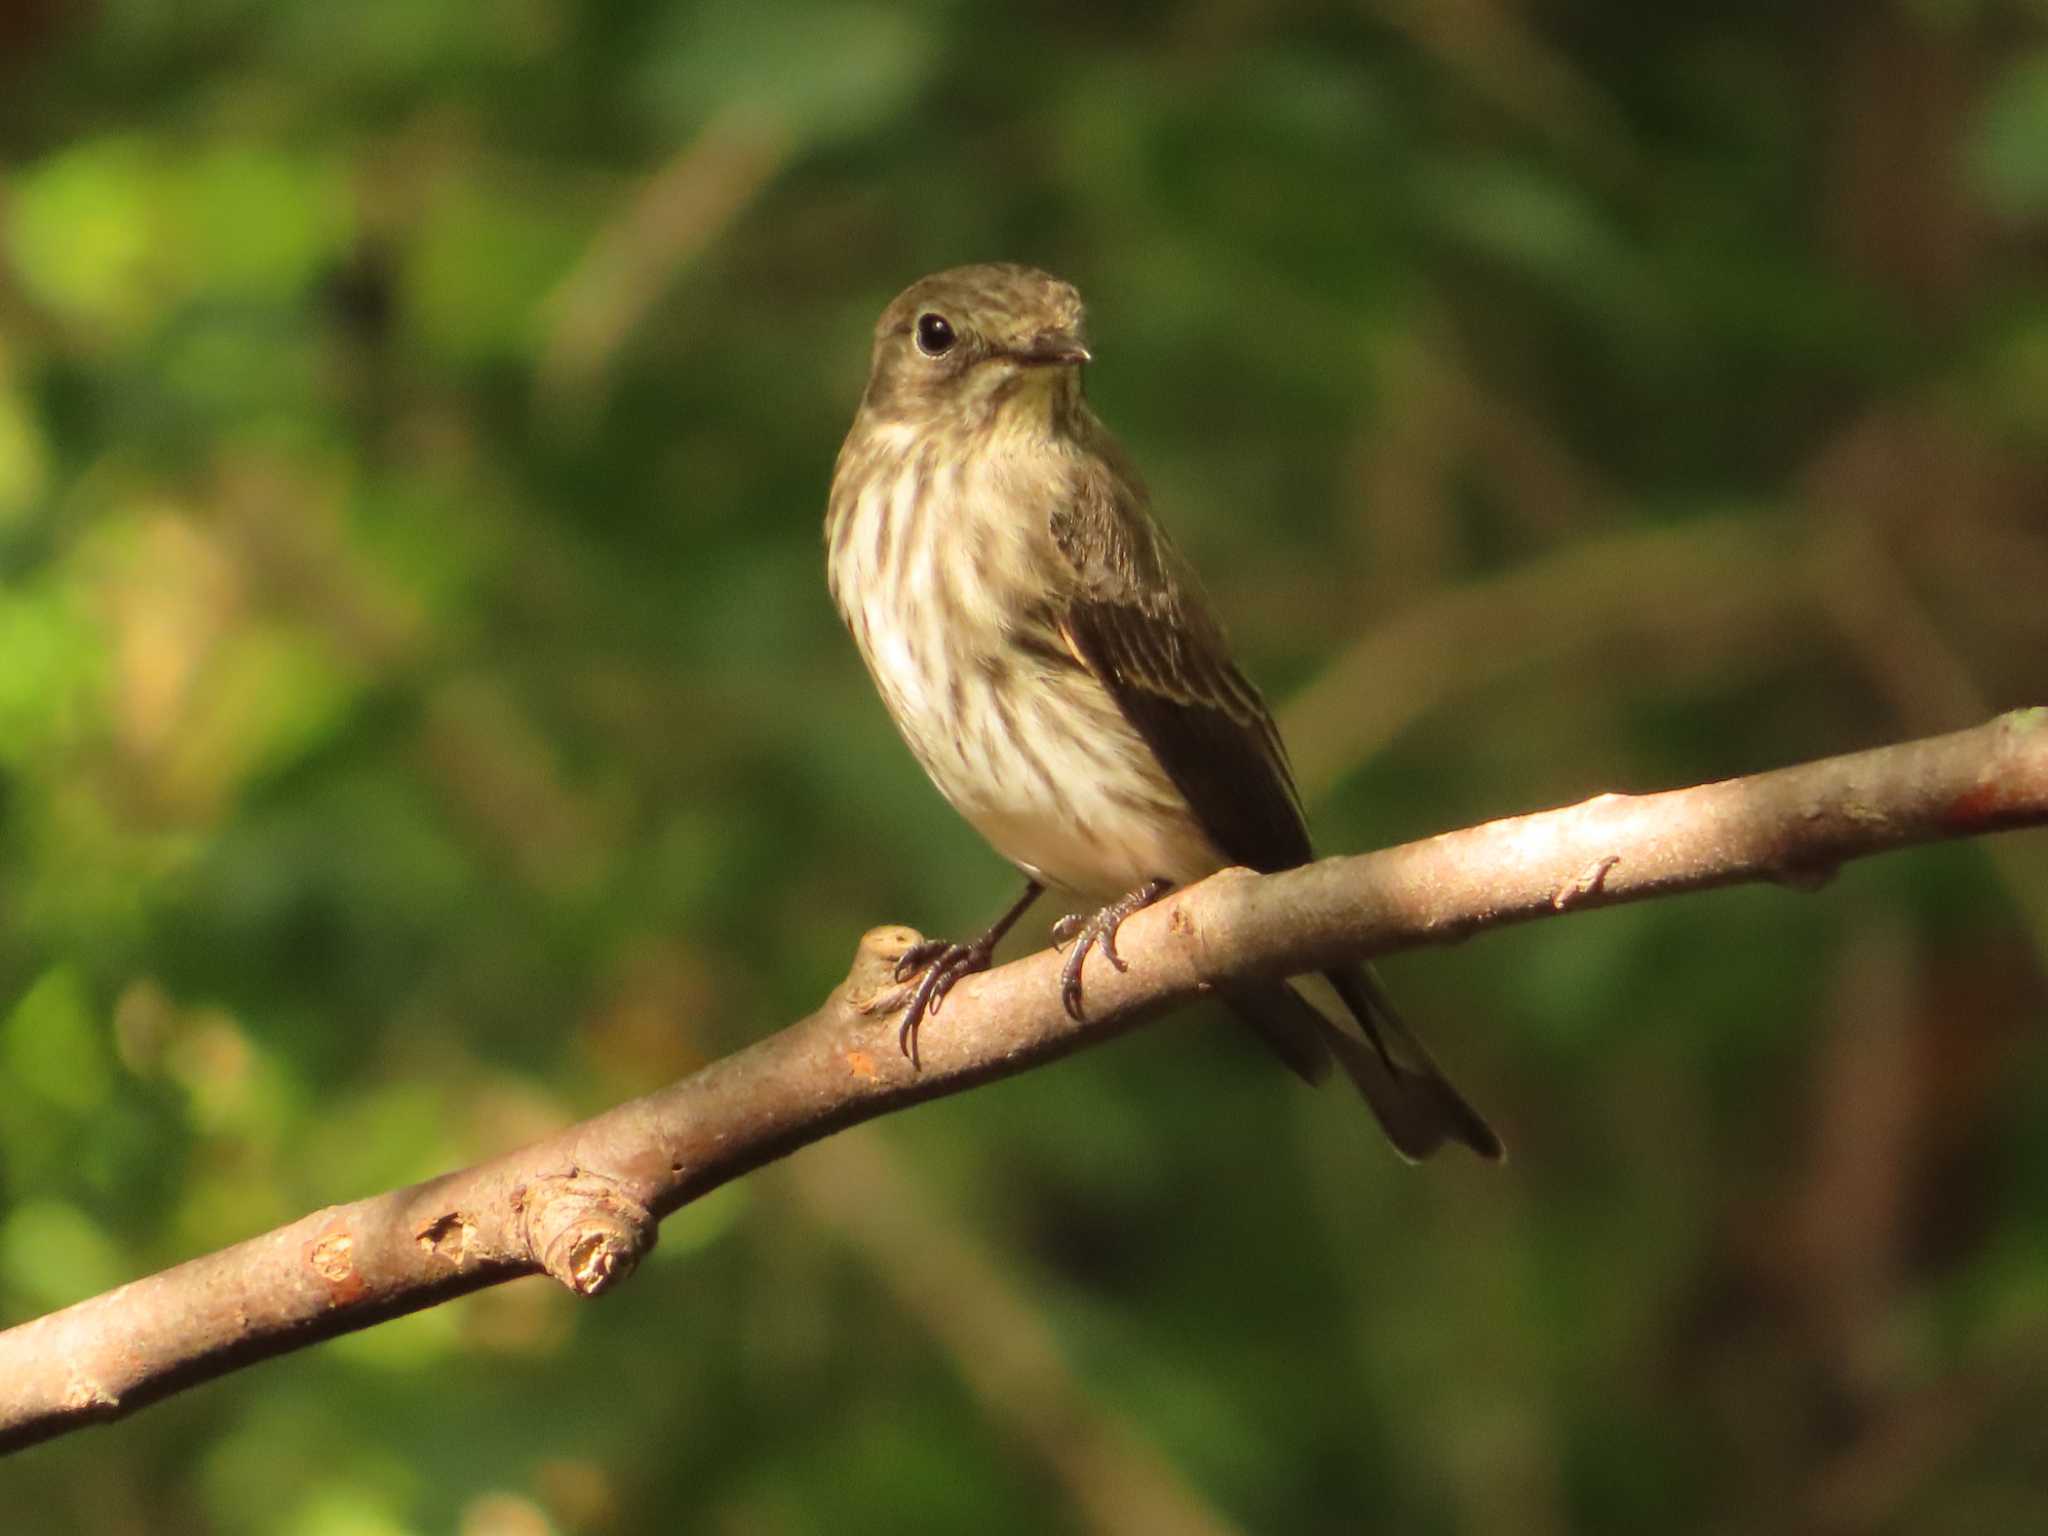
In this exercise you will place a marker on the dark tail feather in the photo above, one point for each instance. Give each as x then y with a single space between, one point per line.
1292 1026
1415 1104
1396 1064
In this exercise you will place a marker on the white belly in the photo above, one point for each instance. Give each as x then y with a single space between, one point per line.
1036 756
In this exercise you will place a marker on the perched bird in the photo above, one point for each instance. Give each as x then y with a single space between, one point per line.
1053 663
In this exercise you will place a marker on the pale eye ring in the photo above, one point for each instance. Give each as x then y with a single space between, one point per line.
935 336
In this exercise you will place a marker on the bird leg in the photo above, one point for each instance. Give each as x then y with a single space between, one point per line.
944 962
1099 932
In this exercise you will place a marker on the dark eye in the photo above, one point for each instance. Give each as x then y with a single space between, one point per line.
935 336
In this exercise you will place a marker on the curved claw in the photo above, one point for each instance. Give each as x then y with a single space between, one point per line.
1099 932
1070 988
1107 945
944 964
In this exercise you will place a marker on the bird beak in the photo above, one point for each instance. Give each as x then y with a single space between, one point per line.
1053 349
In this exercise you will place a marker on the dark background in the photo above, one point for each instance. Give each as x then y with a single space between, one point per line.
422 723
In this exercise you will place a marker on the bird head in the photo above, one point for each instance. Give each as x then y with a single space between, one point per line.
978 344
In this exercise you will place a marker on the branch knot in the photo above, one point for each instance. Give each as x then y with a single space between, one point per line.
586 1231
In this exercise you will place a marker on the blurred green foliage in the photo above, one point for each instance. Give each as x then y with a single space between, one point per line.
422 723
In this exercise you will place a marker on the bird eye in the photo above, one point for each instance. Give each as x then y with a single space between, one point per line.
935 336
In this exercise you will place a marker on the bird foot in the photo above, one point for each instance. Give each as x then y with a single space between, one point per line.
943 963
1098 932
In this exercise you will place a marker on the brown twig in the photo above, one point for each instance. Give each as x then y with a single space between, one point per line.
583 1205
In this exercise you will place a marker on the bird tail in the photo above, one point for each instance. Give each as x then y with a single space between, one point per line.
1408 1093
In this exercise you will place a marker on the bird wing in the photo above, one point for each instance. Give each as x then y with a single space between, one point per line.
1135 616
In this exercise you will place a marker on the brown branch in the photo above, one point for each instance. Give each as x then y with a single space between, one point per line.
583 1205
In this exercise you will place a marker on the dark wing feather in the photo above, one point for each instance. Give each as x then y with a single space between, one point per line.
1136 617
1134 614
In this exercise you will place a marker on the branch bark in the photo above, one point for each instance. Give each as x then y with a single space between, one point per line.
584 1205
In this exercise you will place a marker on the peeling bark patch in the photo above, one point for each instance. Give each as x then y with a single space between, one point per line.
1586 882
861 1065
331 1256
448 1236
81 1394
